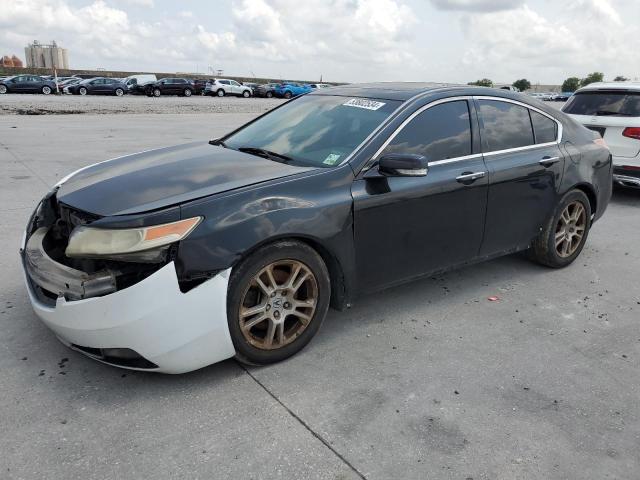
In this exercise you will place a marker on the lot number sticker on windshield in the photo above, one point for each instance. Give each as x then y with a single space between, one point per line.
364 103
331 159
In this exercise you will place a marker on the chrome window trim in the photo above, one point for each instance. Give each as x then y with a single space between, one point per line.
415 114
378 129
530 107
475 155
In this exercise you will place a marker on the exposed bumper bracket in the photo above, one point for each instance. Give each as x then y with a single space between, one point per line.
60 279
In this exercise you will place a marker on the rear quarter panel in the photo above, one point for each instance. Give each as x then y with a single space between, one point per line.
588 165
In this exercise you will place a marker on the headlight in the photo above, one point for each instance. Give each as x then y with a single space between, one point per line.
90 241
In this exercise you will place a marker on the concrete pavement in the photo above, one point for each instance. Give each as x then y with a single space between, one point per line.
427 380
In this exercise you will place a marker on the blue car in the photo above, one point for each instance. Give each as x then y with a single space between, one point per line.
291 89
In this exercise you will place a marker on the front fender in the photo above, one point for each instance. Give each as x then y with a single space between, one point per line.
317 207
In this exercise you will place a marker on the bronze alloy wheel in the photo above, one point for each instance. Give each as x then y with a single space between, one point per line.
570 229
278 304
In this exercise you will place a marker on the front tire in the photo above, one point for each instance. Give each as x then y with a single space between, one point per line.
187 92
46 90
563 236
246 94
287 95
268 94
3 89
82 91
277 300
119 92
156 92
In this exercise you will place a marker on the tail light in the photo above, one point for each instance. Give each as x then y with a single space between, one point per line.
631 132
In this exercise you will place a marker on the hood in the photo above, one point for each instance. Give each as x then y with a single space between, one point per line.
164 177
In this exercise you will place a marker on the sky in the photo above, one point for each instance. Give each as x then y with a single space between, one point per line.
454 41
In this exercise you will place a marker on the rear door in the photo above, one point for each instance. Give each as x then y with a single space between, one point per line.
525 165
408 226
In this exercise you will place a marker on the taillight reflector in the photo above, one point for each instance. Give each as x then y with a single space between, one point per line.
631 132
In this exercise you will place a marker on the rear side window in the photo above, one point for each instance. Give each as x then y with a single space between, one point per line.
545 129
438 133
612 103
506 125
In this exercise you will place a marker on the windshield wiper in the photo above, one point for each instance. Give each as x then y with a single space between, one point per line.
612 112
261 152
217 142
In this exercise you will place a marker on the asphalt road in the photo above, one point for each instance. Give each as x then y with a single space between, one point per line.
428 380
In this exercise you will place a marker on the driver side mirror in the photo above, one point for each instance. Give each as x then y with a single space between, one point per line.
403 165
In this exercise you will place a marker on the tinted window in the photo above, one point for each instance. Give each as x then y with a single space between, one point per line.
440 132
620 104
545 129
506 125
224 82
317 130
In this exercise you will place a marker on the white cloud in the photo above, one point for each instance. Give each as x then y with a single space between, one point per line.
477 5
583 36
352 40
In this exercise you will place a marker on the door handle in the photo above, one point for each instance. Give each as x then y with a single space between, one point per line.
470 177
548 161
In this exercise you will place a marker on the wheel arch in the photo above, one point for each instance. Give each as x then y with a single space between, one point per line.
590 192
339 288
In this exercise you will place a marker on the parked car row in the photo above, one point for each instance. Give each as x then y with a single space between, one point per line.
552 97
148 84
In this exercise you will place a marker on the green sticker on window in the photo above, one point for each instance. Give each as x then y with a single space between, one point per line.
331 159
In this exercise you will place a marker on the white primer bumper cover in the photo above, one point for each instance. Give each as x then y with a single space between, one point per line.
177 331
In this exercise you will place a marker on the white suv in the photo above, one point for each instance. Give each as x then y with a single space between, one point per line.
613 110
221 87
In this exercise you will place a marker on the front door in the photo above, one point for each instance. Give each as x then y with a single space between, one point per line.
408 226
525 168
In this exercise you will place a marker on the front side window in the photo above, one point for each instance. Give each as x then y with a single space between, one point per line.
505 125
545 129
438 133
315 130
603 103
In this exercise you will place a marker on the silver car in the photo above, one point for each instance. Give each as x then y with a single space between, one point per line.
221 87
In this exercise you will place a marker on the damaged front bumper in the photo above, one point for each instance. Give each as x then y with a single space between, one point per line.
151 325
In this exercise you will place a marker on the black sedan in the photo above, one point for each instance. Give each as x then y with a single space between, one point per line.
98 86
238 246
27 84
170 86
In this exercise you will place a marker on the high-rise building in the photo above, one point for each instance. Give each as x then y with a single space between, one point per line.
46 56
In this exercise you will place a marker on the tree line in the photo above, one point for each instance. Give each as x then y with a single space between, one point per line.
571 84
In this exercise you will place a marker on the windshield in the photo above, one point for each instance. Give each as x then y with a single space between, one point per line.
315 130
601 103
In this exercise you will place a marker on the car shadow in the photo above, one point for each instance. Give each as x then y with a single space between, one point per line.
626 196
466 285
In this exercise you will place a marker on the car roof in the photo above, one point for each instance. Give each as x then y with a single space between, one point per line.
406 90
635 86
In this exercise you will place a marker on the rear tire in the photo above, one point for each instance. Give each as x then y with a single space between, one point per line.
187 92
277 300
268 94
563 236
220 93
